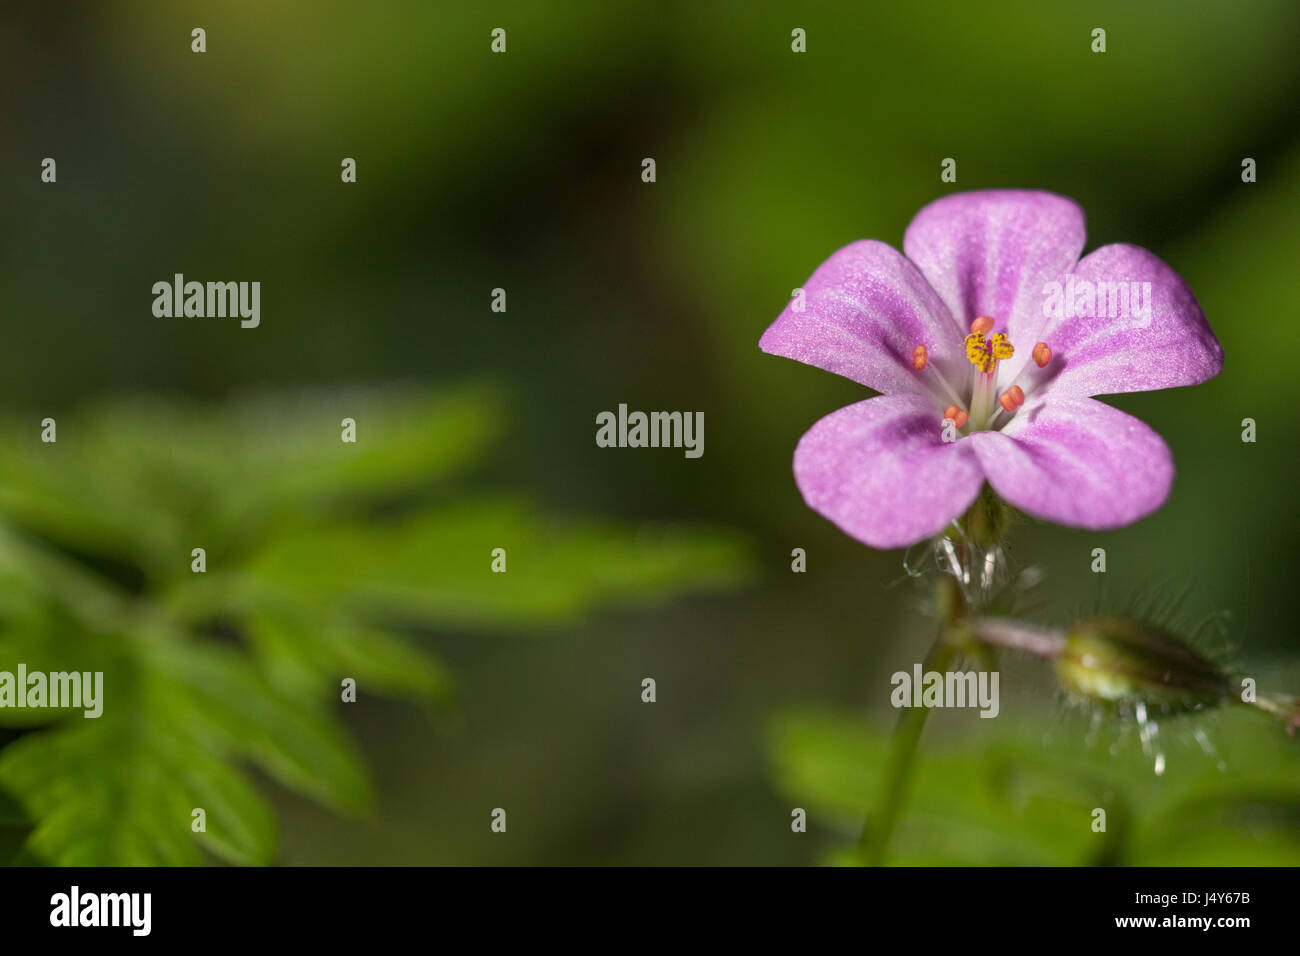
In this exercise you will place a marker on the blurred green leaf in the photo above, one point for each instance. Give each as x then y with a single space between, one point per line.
325 559
436 564
1009 796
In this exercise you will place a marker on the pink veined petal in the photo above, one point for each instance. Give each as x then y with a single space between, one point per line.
1167 343
881 471
1077 462
864 311
991 252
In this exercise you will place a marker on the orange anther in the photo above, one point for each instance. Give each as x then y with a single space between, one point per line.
1018 394
1042 354
919 357
960 419
981 324
951 412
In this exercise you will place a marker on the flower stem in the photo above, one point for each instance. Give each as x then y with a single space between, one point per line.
1016 636
880 823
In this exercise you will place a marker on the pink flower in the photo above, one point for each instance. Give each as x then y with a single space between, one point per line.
987 348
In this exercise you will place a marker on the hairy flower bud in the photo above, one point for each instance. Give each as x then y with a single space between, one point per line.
1121 662
1117 661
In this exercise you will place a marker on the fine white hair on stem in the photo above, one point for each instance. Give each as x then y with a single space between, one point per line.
1018 636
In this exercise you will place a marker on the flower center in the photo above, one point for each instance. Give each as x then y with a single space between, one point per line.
983 406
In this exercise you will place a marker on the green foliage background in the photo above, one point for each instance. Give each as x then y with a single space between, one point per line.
522 171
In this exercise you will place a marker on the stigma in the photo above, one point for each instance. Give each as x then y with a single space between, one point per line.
985 354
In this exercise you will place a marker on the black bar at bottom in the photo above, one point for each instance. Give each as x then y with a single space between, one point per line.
340 905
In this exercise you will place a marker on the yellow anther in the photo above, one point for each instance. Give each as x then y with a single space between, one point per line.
1002 347
977 351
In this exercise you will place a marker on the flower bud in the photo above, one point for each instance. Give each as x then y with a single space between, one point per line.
1116 661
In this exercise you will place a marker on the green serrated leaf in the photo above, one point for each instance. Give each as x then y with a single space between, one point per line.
216 688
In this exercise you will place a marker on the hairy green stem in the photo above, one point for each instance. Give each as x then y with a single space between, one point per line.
882 819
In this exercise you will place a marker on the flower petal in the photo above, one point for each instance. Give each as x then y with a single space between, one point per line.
864 310
991 252
881 471
1168 344
1077 462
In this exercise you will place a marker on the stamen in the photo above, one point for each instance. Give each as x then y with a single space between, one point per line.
1012 398
956 415
1042 356
921 361
982 324
1001 347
